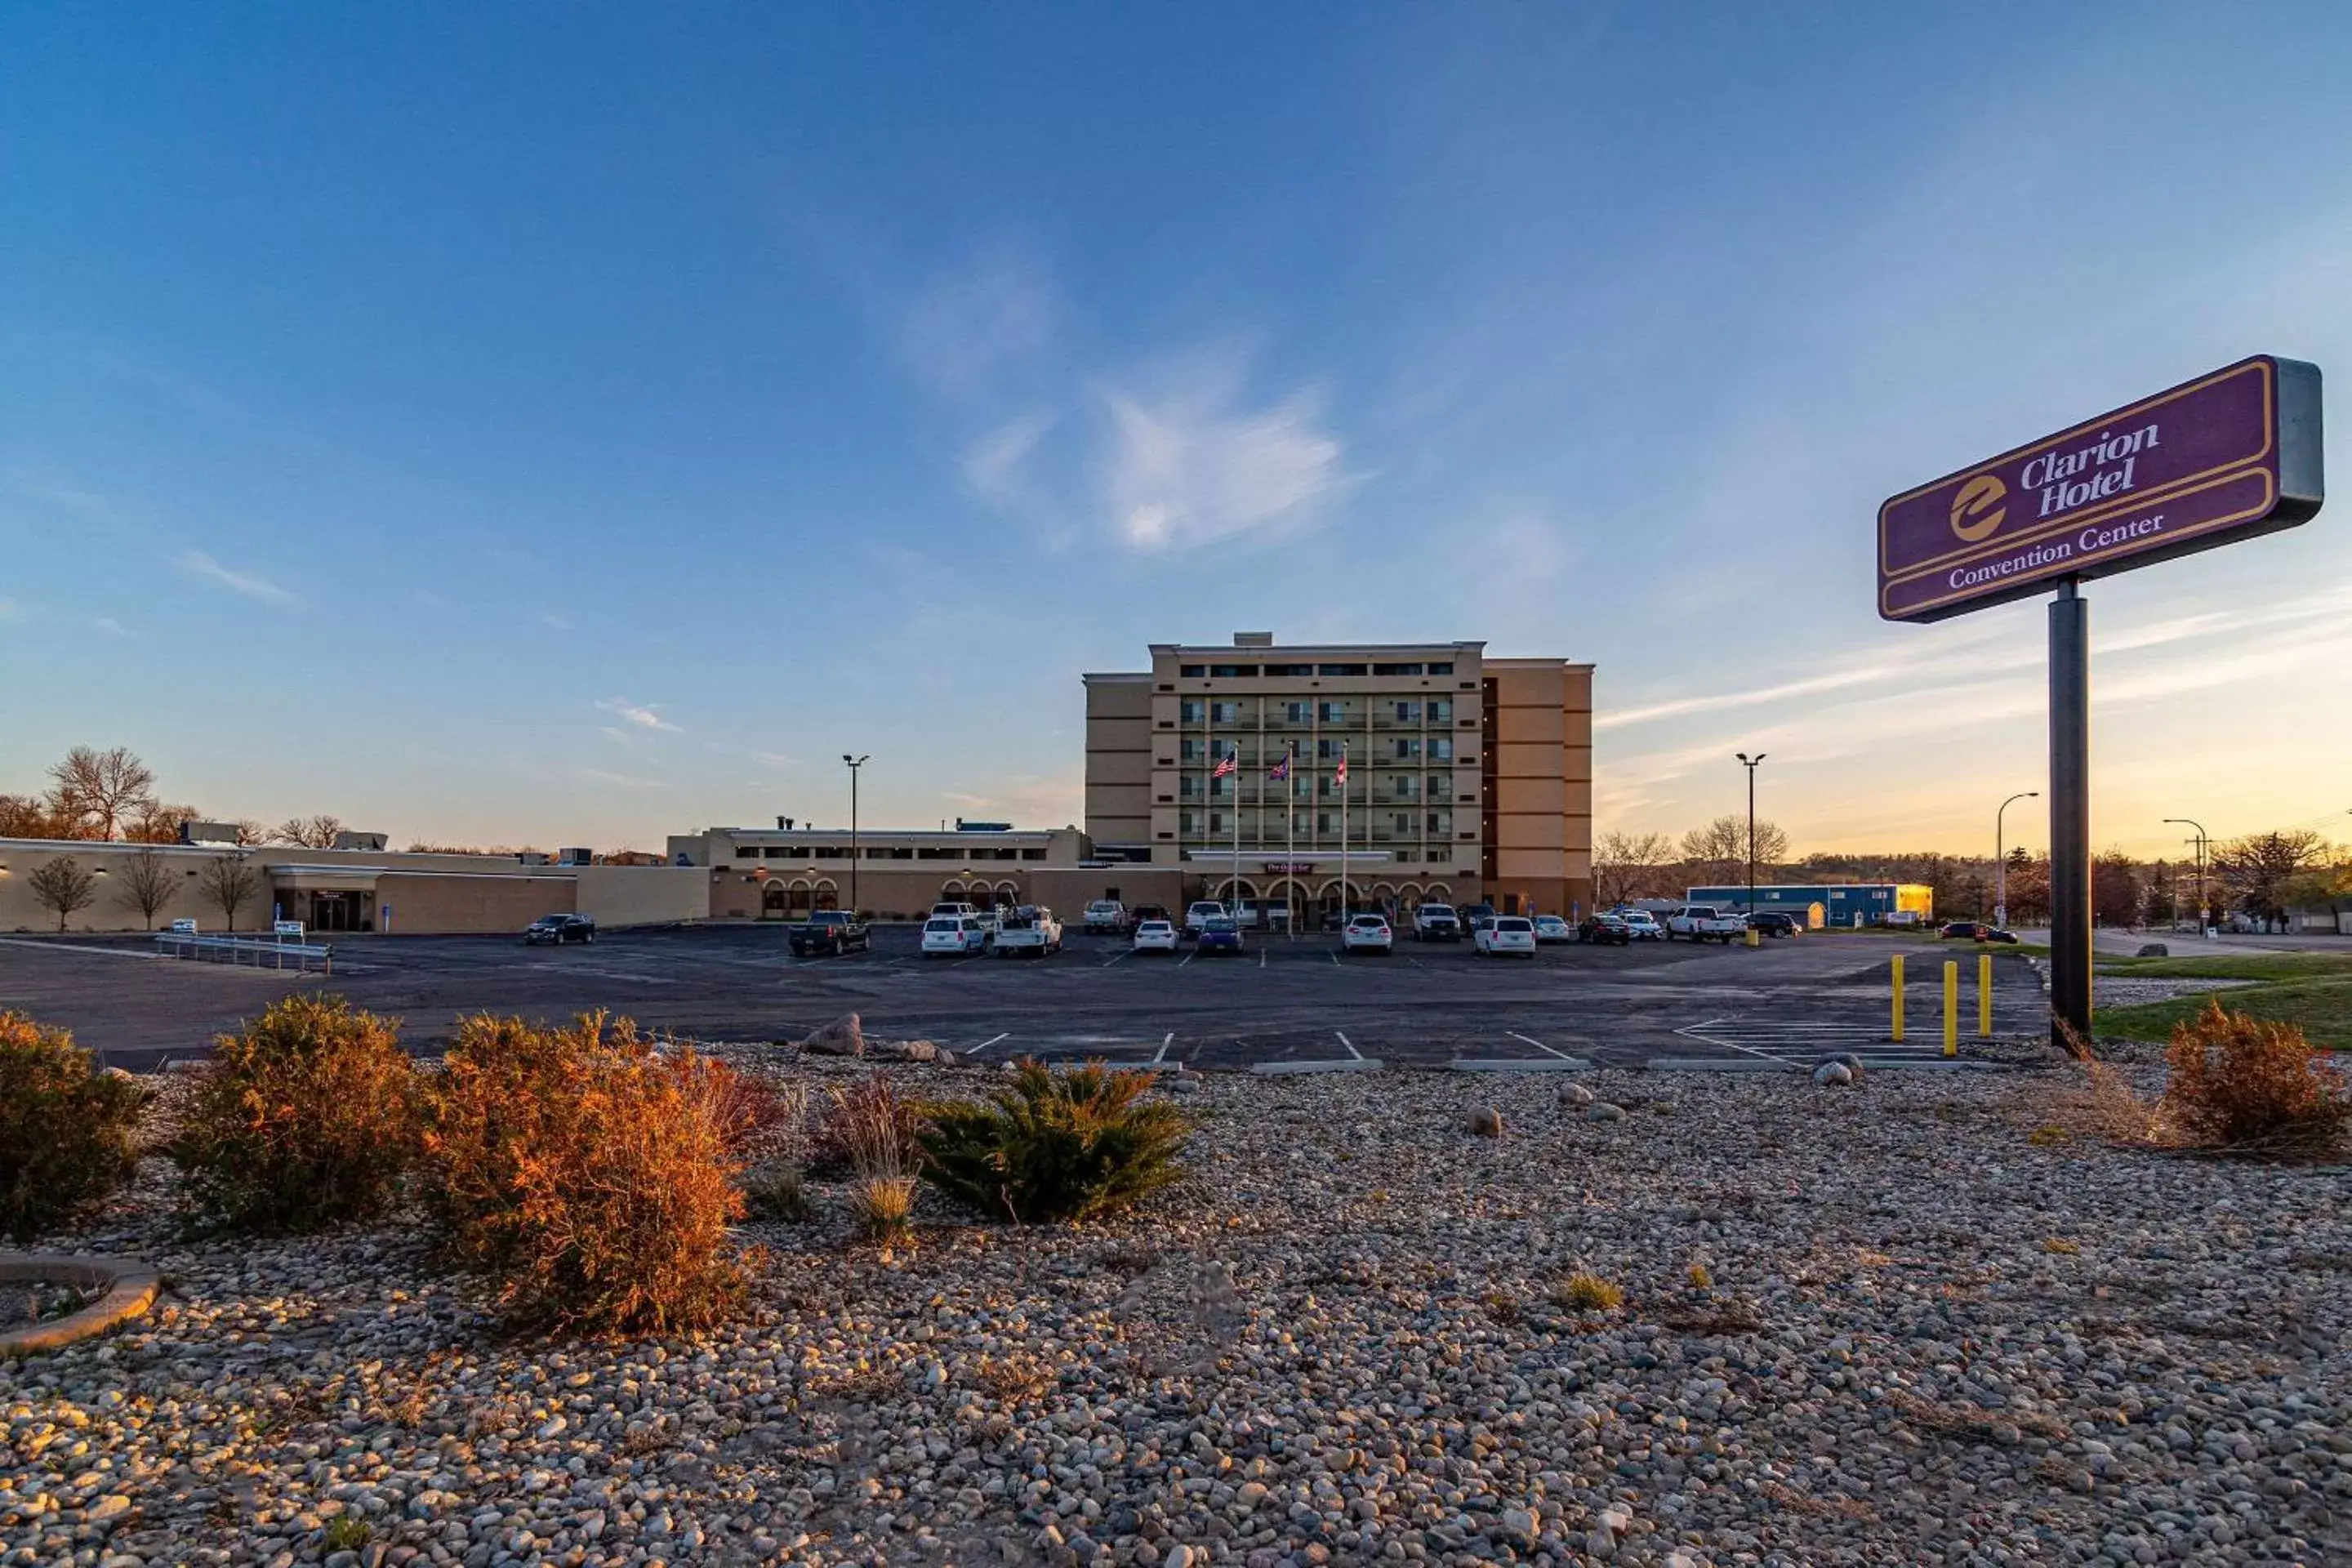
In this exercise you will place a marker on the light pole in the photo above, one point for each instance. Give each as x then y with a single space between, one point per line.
1751 764
855 763
2001 859
2201 840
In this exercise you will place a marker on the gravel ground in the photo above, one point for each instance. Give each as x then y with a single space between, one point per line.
1924 1338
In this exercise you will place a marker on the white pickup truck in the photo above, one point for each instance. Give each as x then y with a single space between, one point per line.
1030 931
1705 922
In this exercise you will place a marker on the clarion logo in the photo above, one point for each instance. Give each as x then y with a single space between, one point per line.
1976 508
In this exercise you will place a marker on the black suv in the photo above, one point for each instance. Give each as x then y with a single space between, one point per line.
1772 922
559 928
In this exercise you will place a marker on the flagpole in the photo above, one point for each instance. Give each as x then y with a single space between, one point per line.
1343 836
1291 831
1234 893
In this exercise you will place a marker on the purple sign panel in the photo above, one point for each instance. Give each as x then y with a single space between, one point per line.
2221 458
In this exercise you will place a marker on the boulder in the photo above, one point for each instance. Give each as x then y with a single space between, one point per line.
2154 949
1851 1062
1575 1094
1601 1110
1831 1074
1486 1121
842 1038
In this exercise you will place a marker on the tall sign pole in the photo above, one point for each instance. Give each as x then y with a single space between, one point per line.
1343 836
1290 839
2226 457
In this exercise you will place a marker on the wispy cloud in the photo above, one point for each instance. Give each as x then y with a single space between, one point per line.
620 781
10 610
643 715
776 760
1194 464
111 627
550 618
969 331
992 464
253 587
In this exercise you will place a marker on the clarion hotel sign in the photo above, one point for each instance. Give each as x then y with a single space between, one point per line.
2224 456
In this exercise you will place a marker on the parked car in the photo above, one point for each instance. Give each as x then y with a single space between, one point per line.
1155 936
1031 931
1219 933
952 910
557 929
1436 922
1776 922
953 935
1551 928
1142 912
1705 922
1977 930
1106 917
1506 934
181 927
1607 929
1642 925
1200 912
1367 934
1474 916
828 933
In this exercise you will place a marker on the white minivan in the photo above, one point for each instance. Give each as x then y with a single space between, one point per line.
951 936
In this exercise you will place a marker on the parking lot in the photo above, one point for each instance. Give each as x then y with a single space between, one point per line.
1282 1006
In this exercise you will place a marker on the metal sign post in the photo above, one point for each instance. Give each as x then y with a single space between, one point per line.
2070 813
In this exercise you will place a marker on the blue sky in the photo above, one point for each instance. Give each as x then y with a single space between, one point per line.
578 424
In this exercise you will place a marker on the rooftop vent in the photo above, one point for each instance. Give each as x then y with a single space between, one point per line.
1252 639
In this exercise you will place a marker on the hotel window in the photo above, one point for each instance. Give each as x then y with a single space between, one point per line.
1408 712
1396 669
1231 671
1441 709
1332 712
1192 749
1328 749
1440 785
1187 822
1404 786
1339 669
1441 669
1219 822
1441 749
1400 822
1194 671
747 854
1189 787
1297 712
1327 787
1327 822
1189 710
1408 749
1289 672
1221 788
1224 713
1439 822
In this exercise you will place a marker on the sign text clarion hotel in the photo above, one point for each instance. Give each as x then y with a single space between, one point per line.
2188 468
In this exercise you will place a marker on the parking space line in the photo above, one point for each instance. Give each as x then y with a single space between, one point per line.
1128 953
1162 1054
1261 958
605 973
1350 1045
1692 1032
1188 958
988 1042
1335 960
1538 1045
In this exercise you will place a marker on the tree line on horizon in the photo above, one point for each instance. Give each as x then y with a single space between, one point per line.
2260 875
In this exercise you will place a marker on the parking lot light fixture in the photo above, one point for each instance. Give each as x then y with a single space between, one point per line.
2203 840
1751 764
2000 860
853 764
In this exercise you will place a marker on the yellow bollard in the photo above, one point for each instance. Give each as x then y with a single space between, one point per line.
1898 998
1951 1009
1984 995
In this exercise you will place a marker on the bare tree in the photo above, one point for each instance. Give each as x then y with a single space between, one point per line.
157 823
251 832
230 884
1628 866
2255 868
149 881
26 816
309 832
101 790
64 885
1719 850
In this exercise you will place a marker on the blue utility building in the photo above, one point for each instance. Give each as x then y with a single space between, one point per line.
1821 905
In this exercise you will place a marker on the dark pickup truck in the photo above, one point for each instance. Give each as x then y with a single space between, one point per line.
829 931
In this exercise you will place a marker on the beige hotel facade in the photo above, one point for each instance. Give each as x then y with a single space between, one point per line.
1469 777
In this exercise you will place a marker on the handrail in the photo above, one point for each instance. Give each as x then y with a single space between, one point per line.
267 952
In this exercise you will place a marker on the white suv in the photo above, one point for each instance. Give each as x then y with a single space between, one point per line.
1506 933
953 935
1367 934
1436 922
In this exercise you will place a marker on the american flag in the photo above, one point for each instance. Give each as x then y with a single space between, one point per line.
1343 764
1227 763
1281 769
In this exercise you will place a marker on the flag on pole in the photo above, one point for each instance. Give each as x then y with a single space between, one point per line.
1281 769
1343 764
1227 763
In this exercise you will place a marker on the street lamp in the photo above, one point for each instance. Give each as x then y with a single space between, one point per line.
1751 764
855 763
2201 840
2000 860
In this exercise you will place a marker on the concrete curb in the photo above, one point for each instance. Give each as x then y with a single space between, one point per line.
131 1288
1336 1064
1518 1064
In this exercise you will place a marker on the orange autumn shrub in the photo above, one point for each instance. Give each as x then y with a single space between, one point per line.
2237 1081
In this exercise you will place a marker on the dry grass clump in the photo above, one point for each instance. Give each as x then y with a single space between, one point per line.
2062 1247
1012 1379
776 1191
880 1130
69 1132
1057 1145
305 1120
588 1174
850 1119
1701 1278
2236 1086
1584 1293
